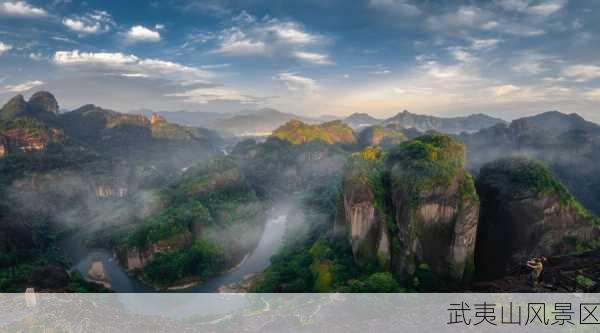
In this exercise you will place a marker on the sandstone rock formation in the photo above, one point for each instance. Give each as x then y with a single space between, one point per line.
436 208
3 146
97 273
364 222
525 211
418 208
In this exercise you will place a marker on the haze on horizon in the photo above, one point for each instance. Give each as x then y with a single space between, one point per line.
506 58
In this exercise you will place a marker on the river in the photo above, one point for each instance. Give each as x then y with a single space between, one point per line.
123 282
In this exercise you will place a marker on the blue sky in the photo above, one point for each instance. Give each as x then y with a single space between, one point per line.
508 58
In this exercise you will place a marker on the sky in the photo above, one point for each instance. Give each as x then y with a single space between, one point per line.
507 58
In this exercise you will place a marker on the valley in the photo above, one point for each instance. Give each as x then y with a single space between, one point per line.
109 201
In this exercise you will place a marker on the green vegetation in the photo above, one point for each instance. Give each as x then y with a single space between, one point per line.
385 137
312 261
331 132
382 282
202 260
31 126
585 281
203 230
517 176
427 161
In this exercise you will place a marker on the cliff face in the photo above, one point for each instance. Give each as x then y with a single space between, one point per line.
525 212
27 140
3 146
436 208
27 125
365 224
418 208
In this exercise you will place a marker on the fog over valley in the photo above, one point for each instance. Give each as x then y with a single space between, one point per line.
234 147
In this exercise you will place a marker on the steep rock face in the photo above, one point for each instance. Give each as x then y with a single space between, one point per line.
364 222
3 146
417 207
27 140
436 208
43 101
526 212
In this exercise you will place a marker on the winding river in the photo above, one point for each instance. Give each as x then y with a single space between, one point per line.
123 282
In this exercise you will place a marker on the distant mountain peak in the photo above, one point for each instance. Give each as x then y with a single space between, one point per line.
361 120
43 101
40 103
426 123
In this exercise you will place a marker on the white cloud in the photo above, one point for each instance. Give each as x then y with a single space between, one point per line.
316 58
80 26
134 75
397 7
140 33
582 72
593 94
381 72
290 32
244 17
36 56
25 86
206 95
5 47
461 54
270 38
21 8
476 18
235 42
532 63
448 73
544 9
482 44
130 64
92 23
505 90
102 58
295 82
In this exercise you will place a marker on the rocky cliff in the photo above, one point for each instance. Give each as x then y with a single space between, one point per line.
436 208
417 208
525 211
3 146
361 212
28 126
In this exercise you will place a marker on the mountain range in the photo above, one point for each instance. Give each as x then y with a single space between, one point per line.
264 121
